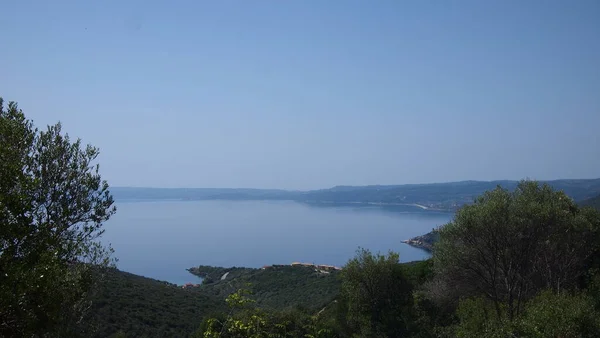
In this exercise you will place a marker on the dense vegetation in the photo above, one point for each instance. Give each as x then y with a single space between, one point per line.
275 287
509 248
144 307
428 240
134 306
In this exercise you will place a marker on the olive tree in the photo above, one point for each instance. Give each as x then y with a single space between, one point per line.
507 246
53 204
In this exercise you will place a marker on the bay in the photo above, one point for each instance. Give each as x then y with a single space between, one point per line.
161 239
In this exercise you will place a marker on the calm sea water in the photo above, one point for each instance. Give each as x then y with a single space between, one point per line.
161 239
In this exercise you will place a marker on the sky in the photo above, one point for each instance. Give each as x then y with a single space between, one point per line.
312 94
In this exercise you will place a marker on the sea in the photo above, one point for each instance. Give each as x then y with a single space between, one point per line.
161 239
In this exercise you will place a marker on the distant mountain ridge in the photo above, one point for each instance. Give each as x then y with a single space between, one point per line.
434 196
593 202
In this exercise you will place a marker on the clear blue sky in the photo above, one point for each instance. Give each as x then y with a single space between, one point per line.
312 94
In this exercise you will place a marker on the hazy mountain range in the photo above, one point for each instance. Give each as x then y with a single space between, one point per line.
433 196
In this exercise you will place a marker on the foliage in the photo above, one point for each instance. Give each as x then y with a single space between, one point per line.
376 299
477 318
508 246
548 315
428 240
53 203
418 272
245 320
377 293
560 315
592 282
429 320
143 307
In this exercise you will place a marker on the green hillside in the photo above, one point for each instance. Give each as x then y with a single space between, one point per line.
144 307
274 287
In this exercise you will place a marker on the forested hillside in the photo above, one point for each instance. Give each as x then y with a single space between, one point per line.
128 305
275 287
144 307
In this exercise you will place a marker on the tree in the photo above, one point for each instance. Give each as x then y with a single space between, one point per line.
477 319
247 322
566 315
53 203
377 295
508 246
547 315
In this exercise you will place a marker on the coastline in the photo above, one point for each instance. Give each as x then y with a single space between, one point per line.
425 242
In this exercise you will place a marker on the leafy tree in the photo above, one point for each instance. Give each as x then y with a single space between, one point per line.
377 295
53 203
508 246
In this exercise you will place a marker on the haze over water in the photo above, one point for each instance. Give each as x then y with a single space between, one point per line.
163 238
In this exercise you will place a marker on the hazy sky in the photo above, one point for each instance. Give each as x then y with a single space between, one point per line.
312 94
